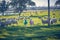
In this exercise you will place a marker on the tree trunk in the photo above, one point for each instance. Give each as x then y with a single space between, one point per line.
48 13
3 14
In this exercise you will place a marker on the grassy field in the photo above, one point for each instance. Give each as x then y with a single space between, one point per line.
30 33
37 32
34 16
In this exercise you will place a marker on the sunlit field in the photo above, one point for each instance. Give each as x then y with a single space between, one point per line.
38 31
34 15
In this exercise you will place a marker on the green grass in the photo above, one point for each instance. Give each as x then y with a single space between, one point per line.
30 32
34 17
37 32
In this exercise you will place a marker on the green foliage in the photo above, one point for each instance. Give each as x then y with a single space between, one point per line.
57 2
3 7
20 5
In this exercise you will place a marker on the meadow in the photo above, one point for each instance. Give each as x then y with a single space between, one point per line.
36 32
34 15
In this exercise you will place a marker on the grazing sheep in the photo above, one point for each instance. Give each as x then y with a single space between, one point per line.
10 21
14 21
53 20
2 24
44 21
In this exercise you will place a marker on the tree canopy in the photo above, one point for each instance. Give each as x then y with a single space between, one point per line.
20 5
57 2
3 7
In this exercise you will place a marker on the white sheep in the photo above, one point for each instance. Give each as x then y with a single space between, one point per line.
44 21
52 21
2 24
10 21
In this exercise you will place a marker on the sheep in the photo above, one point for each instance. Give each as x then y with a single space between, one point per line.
14 21
44 21
52 21
2 24
10 21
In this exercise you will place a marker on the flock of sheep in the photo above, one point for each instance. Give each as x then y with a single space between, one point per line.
10 21
52 20
6 22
